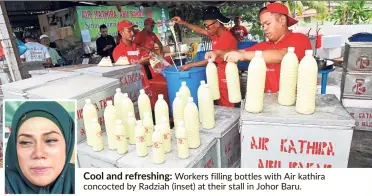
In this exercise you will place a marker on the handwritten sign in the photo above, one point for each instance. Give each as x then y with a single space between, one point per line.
363 118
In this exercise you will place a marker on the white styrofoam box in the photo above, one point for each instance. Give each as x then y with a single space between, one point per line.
329 53
332 41
104 159
203 157
361 111
81 87
17 89
226 131
279 137
38 73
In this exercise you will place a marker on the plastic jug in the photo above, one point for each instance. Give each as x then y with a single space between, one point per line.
161 109
144 104
178 109
157 146
89 113
233 83
212 79
126 108
97 135
110 122
121 139
206 108
149 127
184 91
192 124
167 144
141 146
255 84
182 144
131 125
200 89
306 85
288 78
117 102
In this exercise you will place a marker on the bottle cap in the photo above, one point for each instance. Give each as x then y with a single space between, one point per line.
142 91
183 83
160 96
118 122
258 53
109 102
94 120
291 49
202 82
118 90
139 122
87 101
130 114
309 52
181 124
191 99
125 94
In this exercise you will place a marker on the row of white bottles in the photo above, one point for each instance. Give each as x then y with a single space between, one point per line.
206 106
192 124
144 104
288 78
233 82
212 79
161 109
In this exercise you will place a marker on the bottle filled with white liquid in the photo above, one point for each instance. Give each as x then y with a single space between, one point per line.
131 125
149 127
167 143
120 138
110 124
306 85
254 97
178 109
233 82
97 135
206 108
118 97
288 78
200 89
157 146
192 124
212 79
89 113
144 104
161 109
182 144
126 108
141 146
184 91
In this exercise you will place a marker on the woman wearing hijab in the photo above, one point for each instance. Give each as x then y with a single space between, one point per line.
39 150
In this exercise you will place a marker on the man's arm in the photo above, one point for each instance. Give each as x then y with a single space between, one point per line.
195 64
99 48
195 28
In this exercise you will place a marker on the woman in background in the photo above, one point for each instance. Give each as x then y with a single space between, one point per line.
39 150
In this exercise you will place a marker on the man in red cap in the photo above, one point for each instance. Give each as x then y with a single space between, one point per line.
238 30
275 21
147 38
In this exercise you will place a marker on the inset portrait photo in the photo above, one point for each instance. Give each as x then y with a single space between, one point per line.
39 146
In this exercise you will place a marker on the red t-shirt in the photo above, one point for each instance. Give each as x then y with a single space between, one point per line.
239 31
146 40
297 40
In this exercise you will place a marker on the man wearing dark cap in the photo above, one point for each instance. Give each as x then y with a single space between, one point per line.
275 21
238 30
222 40
147 38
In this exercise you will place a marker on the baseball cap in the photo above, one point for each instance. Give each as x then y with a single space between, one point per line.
149 21
280 9
44 36
213 13
125 24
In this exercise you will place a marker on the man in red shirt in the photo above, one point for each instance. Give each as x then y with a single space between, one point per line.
222 40
147 38
239 31
275 22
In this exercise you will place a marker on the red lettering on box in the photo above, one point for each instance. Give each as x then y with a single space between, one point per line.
269 164
261 144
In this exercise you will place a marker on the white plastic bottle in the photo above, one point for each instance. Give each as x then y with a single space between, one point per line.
288 78
182 144
306 85
126 108
131 125
149 128
161 109
178 109
121 139
167 143
233 82
157 146
97 135
110 124
206 108
200 89
254 97
212 79
184 91
192 124
89 113
144 104
117 103
141 147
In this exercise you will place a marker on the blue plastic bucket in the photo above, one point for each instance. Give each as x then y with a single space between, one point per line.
242 45
192 78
